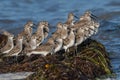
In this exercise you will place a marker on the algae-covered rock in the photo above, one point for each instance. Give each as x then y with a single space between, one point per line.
90 61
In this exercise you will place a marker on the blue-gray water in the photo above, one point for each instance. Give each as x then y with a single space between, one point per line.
15 13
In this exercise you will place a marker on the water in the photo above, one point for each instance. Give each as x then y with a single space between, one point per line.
15 76
15 13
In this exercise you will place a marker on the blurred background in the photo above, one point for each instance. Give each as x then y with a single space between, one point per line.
15 13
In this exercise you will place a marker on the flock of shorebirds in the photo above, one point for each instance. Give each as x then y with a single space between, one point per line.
71 33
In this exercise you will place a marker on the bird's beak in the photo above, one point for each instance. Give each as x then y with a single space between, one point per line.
34 26
94 17
48 25
76 17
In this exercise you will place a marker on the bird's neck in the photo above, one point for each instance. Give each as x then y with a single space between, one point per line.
40 30
10 40
33 43
60 42
71 35
19 43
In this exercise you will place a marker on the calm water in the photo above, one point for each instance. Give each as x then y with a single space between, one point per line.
15 13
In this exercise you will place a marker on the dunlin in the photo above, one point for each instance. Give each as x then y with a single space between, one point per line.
79 36
91 18
27 32
58 45
96 25
93 24
31 45
28 29
18 47
70 20
64 31
46 29
69 41
32 42
89 31
44 49
57 33
84 21
9 45
40 33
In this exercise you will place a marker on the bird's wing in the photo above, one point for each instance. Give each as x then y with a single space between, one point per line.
66 41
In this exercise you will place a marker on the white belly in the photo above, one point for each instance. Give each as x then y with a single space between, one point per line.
7 51
41 41
80 41
44 53
71 43
58 48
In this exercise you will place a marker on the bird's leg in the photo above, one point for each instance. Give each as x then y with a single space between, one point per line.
76 50
7 59
16 59
68 50
65 55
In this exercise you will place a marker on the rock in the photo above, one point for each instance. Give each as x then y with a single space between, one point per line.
90 61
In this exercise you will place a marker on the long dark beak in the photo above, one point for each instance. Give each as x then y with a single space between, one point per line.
76 17
94 17
49 25
34 26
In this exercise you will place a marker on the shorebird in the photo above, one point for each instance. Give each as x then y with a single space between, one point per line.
17 48
70 20
46 29
44 49
69 41
64 31
40 33
96 25
79 37
57 33
87 23
31 45
27 32
92 25
9 45
81 23
84 21
58 44
91 31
